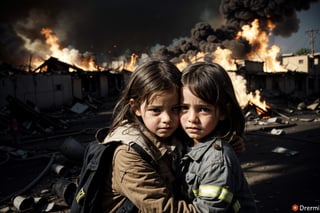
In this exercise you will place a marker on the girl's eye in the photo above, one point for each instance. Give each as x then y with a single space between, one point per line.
204 109
184 108
154 110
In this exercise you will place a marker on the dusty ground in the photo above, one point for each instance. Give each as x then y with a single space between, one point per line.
278 180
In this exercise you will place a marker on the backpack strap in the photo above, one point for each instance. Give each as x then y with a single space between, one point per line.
145 156
128 206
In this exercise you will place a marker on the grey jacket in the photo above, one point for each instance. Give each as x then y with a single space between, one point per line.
215 180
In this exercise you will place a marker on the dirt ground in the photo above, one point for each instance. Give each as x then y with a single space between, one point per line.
284 170
282 166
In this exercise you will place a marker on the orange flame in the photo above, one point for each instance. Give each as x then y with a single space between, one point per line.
223 57
52 49
133 62
260 39
71 56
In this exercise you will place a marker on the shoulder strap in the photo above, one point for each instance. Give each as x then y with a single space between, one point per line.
144 155
128 206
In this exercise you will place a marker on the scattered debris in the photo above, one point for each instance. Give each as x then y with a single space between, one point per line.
283 150
277 132
67 125
65 189
79 108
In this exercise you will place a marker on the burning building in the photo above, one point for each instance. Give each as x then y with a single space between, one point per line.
55 83
240 45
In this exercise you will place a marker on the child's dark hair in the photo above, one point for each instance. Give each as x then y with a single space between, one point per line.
148 78
211 83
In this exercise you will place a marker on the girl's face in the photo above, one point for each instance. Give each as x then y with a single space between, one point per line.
198 118
161 114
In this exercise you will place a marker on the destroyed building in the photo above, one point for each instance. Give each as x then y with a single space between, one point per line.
55 83
301 77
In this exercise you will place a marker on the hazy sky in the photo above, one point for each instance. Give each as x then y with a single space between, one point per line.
113 27
309 19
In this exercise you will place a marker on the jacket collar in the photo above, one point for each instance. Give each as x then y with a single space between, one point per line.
129 134
200 149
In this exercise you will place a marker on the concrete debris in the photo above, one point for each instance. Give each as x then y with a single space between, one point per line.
313 106
277 132
79 108
283 150
301 106
274 120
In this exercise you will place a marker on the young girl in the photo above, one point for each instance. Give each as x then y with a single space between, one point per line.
210 116
147 114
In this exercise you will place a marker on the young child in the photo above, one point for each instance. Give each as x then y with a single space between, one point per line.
210 116
147 114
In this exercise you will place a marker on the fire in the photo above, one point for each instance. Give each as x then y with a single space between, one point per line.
223 57
71 56
133 62
259 39
255 98
252 33
52 48
181 65
244 98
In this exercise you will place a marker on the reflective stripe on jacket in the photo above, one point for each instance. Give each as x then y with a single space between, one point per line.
149 189
215 180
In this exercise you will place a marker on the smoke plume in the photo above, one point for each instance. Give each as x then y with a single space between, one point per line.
111 28
237 13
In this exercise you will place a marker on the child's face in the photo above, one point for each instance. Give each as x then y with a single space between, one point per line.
198 118
161 114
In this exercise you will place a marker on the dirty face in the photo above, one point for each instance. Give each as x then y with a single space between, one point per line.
198 118
161 113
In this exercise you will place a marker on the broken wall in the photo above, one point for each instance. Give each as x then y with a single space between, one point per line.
43 90
104 85
287 83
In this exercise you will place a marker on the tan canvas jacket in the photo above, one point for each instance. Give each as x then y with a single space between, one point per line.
148 188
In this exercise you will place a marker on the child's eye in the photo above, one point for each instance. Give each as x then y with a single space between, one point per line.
184 108
154 110
204 109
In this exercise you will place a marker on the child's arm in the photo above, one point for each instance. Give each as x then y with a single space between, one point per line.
142 184
238 144
216 181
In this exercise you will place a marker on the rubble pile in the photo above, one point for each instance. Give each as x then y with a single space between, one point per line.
278 117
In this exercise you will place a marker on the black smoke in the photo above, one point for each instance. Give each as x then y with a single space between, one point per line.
114 27
281 12
236 14
106 28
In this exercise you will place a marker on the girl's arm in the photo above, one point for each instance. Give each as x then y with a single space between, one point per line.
238 144
141 183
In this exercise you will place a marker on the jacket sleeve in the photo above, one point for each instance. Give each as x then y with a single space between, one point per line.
215 182
141 183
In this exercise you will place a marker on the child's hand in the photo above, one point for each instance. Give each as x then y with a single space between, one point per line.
238 145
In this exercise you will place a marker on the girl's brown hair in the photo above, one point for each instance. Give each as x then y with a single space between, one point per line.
211 83
148 78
